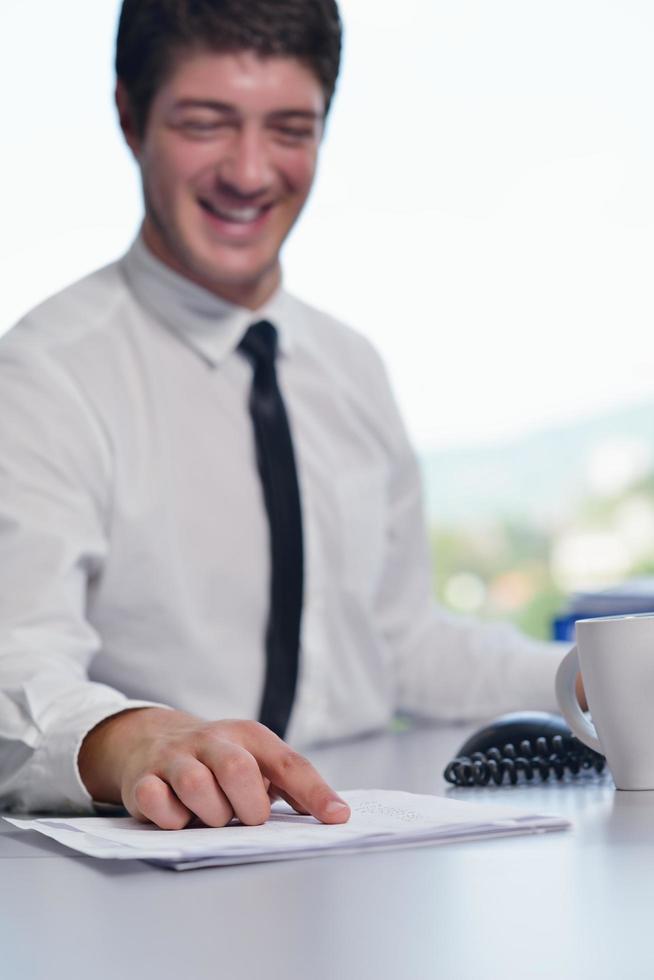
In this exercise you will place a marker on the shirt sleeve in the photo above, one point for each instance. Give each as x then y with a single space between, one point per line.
447 666
55 499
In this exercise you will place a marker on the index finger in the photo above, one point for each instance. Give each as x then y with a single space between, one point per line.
294 775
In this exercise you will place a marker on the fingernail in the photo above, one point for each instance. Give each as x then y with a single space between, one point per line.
335 807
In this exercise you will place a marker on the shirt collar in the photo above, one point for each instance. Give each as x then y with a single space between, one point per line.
208 324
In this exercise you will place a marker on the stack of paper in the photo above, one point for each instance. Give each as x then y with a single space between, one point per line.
380 819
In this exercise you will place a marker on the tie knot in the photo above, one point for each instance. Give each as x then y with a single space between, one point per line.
259 342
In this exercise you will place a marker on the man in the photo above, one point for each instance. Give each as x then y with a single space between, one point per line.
208 506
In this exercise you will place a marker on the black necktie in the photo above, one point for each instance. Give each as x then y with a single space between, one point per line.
276 464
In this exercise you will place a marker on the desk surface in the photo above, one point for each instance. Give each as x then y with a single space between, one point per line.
566 905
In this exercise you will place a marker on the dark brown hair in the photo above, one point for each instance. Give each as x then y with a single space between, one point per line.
152 33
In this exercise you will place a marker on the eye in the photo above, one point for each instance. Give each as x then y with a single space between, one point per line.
294 134
201 128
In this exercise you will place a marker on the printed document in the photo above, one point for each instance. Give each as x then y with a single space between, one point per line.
380 819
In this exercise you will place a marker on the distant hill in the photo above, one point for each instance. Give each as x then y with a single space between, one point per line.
538 478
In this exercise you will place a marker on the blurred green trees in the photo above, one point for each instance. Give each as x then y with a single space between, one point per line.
521 571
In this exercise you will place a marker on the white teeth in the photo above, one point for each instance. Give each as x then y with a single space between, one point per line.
239 215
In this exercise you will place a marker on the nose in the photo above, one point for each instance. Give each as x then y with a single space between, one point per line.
246 168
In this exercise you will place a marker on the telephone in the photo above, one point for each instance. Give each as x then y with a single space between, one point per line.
519 744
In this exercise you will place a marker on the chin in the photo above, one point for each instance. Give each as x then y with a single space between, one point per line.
224 270
225 280
235 270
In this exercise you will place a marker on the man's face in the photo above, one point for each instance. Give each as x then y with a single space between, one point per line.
227 161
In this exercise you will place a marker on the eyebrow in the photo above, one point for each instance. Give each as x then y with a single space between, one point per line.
228 109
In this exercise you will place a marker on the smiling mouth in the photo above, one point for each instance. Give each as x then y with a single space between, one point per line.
238 216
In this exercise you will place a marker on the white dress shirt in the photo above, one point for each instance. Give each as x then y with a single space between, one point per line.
134 541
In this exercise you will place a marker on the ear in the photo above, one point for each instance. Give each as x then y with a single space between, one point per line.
126 119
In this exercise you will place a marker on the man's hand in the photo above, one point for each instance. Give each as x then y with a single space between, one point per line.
168 767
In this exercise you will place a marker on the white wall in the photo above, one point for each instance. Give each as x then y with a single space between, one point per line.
485 211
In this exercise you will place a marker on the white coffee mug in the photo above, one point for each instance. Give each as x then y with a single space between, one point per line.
615 655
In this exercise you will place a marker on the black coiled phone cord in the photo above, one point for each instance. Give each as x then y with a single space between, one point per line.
558 755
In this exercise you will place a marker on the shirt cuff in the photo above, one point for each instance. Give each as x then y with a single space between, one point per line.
60 759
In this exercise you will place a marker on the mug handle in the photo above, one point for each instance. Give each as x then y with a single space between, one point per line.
566 695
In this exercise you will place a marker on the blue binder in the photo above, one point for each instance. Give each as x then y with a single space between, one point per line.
631 597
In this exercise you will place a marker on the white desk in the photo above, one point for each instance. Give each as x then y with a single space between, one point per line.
566 905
